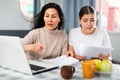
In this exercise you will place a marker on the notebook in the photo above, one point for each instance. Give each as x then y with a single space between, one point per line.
12 56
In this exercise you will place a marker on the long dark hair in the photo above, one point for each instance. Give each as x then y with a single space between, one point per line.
39 18
86 10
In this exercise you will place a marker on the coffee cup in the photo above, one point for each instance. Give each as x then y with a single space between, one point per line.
88 69
67 71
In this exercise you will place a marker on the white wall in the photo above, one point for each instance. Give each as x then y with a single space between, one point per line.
11 17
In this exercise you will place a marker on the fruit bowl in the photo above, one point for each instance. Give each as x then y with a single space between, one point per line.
100 72
103 73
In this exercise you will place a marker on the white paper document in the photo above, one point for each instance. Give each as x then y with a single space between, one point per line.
93 51
60 61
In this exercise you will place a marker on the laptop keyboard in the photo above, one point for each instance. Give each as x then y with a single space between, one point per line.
34 67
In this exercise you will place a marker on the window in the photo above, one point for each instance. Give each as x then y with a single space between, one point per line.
108 14
27 8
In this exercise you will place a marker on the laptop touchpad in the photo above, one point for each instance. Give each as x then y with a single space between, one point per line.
36 68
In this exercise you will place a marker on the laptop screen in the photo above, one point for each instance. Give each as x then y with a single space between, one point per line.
12 56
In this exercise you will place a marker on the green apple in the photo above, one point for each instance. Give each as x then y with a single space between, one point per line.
96 61
104 66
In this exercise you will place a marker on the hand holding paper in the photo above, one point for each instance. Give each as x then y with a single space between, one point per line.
93 51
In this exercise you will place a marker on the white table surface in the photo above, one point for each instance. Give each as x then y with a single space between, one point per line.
6 74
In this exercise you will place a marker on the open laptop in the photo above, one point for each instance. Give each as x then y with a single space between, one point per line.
12 56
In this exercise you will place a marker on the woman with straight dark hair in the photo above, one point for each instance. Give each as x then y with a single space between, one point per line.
88 35
47 39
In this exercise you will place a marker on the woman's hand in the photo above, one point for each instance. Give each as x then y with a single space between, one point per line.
103 56
33 48
78 56
70 53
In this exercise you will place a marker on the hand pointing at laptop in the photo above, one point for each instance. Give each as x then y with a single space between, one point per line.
33 48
